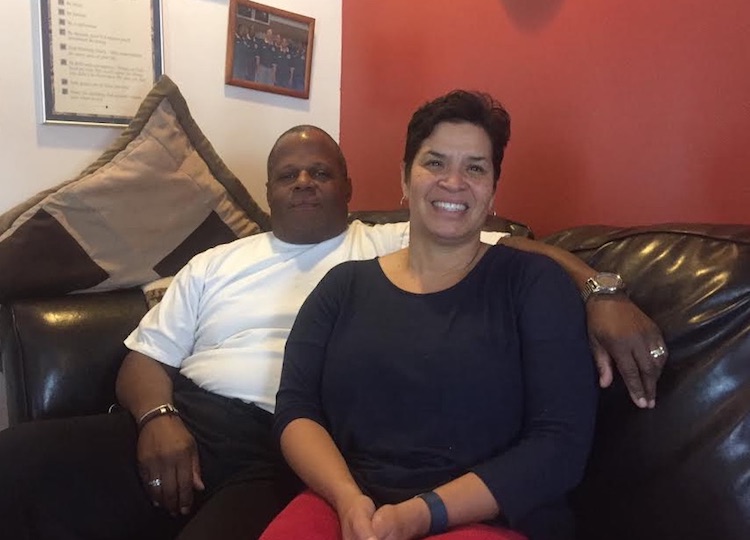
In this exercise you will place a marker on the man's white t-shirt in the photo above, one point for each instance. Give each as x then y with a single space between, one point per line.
225 318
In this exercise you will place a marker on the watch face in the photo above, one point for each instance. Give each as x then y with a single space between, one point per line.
608 280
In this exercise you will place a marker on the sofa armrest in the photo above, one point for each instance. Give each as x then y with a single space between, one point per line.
61 355
680 470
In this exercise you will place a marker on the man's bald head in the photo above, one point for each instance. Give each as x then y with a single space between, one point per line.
302 130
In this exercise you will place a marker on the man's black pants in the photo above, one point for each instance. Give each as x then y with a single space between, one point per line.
78 479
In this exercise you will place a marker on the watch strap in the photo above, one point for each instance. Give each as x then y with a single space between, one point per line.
588 289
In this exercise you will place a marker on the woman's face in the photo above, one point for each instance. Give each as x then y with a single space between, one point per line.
450 186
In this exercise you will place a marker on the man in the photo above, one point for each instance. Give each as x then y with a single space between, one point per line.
264 59
191 449
244 57
284 65
299 58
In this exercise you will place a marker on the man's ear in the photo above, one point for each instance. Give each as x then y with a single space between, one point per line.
348 189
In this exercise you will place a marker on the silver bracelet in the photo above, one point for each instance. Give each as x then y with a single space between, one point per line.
166 408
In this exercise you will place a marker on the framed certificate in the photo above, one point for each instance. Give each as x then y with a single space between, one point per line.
99 59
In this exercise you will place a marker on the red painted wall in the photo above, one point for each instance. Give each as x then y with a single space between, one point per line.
624 112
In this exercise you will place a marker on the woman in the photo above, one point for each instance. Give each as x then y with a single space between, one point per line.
449 385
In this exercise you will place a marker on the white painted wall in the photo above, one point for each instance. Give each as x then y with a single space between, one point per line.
242 124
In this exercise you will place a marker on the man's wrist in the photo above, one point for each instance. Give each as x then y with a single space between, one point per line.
602 284
165 409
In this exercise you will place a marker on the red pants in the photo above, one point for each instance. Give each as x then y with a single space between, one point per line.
310 517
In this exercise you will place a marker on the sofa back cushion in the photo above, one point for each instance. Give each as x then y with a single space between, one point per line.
60 356
681 470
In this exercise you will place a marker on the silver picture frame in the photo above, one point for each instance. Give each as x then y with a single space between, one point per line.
99 59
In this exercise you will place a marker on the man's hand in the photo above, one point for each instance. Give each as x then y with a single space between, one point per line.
403 521
619 332
167 452
356 519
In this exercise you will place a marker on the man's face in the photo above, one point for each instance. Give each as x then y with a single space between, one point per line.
307 190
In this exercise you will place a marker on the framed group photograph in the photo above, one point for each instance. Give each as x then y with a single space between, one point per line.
99 59
269 49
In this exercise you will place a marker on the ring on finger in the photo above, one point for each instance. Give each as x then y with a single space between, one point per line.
658 352
156 482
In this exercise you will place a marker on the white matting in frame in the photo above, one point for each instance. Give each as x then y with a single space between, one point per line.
99 59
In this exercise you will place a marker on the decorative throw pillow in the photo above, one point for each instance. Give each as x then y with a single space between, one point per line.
159 195
154 291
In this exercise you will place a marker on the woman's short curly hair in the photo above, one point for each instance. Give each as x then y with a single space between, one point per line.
460 106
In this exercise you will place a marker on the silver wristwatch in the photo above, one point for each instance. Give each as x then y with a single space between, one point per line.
603 283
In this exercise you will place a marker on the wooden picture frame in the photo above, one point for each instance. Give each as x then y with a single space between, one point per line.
269 49
99 60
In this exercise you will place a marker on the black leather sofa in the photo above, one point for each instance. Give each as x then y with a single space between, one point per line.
680 471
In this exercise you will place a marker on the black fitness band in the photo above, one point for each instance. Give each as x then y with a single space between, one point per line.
438 512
